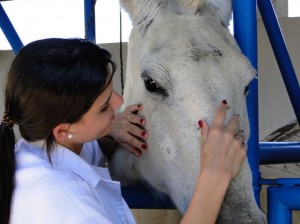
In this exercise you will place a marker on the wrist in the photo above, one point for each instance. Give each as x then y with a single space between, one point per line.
215 176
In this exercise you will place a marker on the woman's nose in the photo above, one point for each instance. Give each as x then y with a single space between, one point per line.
117 100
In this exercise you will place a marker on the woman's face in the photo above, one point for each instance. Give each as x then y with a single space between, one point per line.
97 122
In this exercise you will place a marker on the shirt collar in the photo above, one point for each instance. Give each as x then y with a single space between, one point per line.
66 160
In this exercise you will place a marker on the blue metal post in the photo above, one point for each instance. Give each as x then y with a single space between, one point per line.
9 31
280 51
89 20
281 202
245 32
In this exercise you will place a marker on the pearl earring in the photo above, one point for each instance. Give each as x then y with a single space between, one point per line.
70 135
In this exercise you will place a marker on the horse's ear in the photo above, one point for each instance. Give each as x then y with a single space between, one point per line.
139 8
143 12
131 6
221 8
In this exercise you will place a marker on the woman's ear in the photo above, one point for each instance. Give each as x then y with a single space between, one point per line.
60 132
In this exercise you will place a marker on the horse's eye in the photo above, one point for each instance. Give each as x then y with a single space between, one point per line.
153 87
246 90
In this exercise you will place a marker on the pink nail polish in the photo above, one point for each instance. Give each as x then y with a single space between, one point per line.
144 146
200 123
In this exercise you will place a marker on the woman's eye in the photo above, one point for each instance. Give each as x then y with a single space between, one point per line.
105 108
153 87
246 90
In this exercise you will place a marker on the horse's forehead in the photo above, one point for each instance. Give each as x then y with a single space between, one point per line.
181 29
185 36
177 39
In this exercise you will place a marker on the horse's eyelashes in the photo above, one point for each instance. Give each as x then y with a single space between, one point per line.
153 87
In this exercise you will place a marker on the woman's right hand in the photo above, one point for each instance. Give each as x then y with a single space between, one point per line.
223 148
223 151
129 129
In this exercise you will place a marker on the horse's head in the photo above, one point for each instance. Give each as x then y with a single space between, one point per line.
182 62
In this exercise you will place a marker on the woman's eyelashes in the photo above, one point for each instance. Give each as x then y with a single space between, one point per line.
104 108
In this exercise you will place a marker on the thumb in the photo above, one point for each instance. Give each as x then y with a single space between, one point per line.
204 130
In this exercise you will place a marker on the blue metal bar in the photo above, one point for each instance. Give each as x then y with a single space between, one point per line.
141 197
9 31
245 31
281 202
89 20
280 51
281 181
279 152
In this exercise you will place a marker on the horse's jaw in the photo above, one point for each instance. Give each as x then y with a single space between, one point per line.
172 162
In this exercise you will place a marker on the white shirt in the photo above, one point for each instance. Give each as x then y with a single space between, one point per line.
71 190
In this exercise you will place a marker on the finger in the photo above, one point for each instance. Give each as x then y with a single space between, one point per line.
234 124
240 134
137 131
137 152
204 130
134 108
133 141
219 118
136 119
243 151
240 141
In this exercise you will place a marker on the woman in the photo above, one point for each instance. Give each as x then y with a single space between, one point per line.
59 92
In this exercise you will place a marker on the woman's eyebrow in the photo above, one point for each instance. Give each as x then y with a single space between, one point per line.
106 102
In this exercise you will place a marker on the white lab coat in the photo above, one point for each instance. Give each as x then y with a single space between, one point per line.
73 189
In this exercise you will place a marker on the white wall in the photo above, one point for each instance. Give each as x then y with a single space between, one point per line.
275 108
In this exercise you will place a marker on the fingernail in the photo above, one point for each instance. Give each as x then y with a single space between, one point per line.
139 106
143 133
142 121
224 102
200 123
144 146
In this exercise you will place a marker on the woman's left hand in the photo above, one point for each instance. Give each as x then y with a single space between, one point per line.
129 129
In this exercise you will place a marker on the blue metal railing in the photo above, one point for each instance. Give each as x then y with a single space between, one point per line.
284 198
89 20
281 202
9 31
279 152
244 24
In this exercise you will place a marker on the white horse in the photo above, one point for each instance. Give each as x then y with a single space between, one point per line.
182 62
